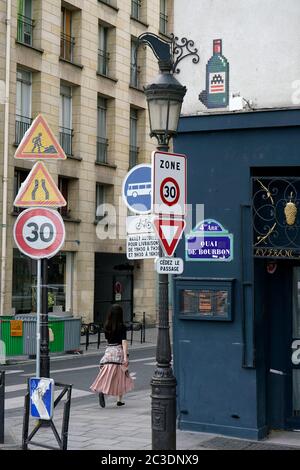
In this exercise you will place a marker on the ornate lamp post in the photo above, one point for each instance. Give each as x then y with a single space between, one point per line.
164 96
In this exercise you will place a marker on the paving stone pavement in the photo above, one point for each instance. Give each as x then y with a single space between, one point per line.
126 428
129 427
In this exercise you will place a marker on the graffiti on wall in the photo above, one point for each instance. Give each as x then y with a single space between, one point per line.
216 94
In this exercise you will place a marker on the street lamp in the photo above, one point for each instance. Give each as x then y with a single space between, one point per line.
164 97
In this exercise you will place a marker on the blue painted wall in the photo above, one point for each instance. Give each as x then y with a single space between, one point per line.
220 366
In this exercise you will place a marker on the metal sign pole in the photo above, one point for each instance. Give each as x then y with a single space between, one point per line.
38 313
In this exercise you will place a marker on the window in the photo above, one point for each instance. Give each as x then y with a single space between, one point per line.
63 186
134 69
19 178
163 17
133 148
67 41
136 9
100 200
59 283
103 55
25 22
23 103
65 119
102 141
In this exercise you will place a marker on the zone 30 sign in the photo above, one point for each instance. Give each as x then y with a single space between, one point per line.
169 183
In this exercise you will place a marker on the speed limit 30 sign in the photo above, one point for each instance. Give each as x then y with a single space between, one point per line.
39 232
169 183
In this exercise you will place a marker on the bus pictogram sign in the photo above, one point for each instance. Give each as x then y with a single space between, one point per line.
39 232
137 189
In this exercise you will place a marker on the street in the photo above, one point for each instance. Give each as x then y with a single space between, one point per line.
79 370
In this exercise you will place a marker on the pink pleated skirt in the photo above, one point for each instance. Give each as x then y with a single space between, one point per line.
113 379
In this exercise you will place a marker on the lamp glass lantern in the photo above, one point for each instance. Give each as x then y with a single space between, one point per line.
164 96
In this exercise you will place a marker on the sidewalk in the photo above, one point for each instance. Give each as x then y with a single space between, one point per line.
129 427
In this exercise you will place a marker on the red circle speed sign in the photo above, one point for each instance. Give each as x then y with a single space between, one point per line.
39 233
169 191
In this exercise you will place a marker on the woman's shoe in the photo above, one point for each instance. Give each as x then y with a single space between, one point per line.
120 403
101 400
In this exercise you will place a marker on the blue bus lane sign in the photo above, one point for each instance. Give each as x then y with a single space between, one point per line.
137 189
209 241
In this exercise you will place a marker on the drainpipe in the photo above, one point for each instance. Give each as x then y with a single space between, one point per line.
5 158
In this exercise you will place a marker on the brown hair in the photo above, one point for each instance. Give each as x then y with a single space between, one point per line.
114 321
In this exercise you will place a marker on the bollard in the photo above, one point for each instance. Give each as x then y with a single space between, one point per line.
2 394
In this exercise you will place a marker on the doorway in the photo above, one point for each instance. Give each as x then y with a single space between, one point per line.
113 284
282 342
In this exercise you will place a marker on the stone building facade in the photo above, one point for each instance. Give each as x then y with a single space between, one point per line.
74 63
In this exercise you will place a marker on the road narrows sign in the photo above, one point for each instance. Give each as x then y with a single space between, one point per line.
39 232
169 184
39 189
169 232
39 143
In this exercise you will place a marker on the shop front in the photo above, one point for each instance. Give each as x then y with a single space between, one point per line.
237 304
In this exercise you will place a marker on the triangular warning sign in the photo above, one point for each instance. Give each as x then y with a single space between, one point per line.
39 143
169 232
39 189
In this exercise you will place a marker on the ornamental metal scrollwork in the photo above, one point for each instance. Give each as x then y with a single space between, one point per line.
275 214
178 51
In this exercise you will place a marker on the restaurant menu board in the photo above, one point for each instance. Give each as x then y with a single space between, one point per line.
206 302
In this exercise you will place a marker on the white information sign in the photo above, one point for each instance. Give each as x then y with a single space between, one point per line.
169 183
169 265
142 245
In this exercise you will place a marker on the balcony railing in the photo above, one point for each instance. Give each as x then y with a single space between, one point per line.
22 124
102 145
65 139
163 23
133 155
25 30
103 59
135 9
67 44
134 76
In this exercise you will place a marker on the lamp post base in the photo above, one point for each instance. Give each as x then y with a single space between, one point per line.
163 409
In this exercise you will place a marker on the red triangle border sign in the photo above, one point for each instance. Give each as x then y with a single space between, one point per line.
169 246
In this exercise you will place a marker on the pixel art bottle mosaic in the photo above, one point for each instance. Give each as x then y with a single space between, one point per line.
217 78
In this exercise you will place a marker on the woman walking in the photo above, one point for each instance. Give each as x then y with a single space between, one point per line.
113 378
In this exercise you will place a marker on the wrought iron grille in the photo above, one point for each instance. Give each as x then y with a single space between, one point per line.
276 217
134 76
102 145
163 23
135 9
65 138
133 155
103 59
25 30
67 44
22 124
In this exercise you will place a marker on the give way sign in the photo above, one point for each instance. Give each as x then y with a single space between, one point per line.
169 232
169 183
